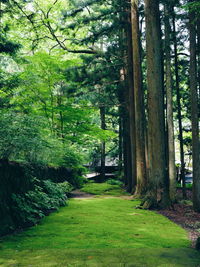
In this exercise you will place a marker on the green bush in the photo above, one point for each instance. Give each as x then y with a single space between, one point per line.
66 188
57 191
25 199
79 181
28 208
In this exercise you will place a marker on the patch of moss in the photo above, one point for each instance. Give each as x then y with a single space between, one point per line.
100 232
103 189
107 257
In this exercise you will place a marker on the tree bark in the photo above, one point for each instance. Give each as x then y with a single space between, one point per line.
194 113
158 191
124 117
178 97
103 144
170 123
141 175
120 143
123 96
127 149
198 54
130 102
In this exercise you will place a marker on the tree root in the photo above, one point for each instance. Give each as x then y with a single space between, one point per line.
149 202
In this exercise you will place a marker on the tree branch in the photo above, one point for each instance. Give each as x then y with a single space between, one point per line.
48 12
48 25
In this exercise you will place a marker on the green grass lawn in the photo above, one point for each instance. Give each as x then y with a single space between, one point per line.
100 232
103 189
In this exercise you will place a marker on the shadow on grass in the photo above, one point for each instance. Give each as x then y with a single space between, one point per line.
102 257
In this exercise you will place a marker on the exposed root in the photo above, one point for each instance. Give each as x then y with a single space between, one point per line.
148 202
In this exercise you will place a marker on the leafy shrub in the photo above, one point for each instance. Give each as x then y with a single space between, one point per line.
57 191
79 181
25 199
28 208
66 187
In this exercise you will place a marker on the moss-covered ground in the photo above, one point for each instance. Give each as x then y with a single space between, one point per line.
100 232
103 189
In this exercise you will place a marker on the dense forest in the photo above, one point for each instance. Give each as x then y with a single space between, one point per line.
89 83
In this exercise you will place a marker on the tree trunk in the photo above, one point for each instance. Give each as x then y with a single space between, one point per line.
198 54
170 123
120 143
125 125
130 102
124 99
179 108
194 113
158 180
61 120
139 105
103 144
127 150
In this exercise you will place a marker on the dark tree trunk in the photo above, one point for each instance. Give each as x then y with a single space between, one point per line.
158 180
176 63
130 104
103 144
124 99
198 54
194 113
59 103
127 150
125 128
120 143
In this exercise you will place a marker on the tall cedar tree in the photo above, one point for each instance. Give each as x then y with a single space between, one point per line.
139 104
178 98
170 123
158 178
131 104
194 111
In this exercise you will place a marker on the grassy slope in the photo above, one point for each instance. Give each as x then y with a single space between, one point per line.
100 232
